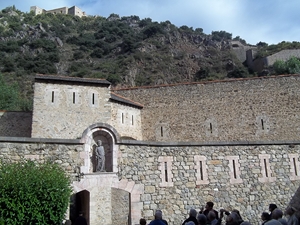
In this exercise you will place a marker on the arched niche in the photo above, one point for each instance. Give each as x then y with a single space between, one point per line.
109 136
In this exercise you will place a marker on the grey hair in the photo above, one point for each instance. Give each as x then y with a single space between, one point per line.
158 215
193 213
190 223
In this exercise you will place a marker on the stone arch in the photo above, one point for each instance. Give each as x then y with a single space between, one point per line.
135 190
109 137
80 202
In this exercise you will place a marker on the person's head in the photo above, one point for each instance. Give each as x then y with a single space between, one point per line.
245 223
272 207
99 142
190 223
265 216
277 214
193 213
211 215
202 220
158 215
209 205
143 221
236 218
290 211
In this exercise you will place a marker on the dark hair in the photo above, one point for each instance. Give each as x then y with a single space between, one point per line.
143 222
210 204
266 216
272 207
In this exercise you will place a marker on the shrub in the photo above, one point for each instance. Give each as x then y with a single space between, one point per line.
33 193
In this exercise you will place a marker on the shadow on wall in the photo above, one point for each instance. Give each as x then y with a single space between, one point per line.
15 124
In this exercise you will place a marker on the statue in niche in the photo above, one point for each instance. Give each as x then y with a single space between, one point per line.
100 157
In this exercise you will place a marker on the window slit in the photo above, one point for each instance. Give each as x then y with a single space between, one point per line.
234 169
210 127
266 169
295 166
201 171
161 132
52 99
122 117
262 124
132 120
166 171
73 97
93 99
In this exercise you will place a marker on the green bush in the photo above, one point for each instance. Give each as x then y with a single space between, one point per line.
33 193
291 66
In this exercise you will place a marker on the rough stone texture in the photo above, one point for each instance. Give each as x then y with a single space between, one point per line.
15 124
251 196
259 64
121 207
240 110
126 120
66 110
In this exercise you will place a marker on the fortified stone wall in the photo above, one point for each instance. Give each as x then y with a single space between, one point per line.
66 110
126 120
15 124
258 109
261 63
177 178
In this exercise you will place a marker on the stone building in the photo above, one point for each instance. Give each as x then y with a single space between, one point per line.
171 147
74 10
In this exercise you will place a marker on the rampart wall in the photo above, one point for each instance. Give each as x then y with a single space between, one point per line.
15 124
176 178
262 63
64 110
258 109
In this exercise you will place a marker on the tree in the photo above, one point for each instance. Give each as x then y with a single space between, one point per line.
291 66
33 193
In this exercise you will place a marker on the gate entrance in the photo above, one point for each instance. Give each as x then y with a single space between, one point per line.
80 202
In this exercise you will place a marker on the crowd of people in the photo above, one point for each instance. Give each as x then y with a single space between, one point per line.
209 216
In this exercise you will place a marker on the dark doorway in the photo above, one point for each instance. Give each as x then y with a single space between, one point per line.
80 202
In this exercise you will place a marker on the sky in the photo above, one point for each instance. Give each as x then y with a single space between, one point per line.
270 21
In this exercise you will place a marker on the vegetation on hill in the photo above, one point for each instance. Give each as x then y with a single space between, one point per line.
127 51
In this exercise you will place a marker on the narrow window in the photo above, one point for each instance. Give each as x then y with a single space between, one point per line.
161 132
132 120
165 167
73 97
295 166
122 117
93 98
266 168
52 98
234 169
166 171
201 171
262 124
210 127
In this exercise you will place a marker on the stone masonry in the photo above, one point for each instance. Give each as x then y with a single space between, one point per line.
173 147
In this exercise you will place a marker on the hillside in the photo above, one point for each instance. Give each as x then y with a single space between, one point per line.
127 51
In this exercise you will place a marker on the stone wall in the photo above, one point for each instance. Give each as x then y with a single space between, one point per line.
175 178
247 178
15 124
127 121
262 63
65 110
255 109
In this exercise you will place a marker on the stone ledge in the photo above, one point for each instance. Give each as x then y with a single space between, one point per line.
40 140
217 143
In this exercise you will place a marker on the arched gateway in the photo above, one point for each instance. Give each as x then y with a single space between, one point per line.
107 199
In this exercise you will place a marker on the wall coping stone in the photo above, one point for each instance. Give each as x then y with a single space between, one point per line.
40 140
150 143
